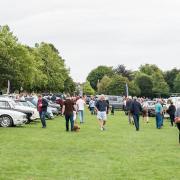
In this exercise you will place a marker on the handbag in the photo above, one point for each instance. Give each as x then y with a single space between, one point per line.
177 120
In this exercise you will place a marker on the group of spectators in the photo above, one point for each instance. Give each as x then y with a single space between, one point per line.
76 105
73 106
134 108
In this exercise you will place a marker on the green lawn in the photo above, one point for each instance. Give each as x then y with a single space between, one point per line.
31 153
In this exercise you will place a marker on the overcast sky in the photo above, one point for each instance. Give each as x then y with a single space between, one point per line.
89 33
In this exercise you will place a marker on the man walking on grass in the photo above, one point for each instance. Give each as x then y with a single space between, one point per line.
136 108
128 109
67 110
101 108
159 113
42 105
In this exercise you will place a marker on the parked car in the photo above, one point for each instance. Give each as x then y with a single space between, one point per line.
175 100
11 105
34 101
30 105
52 109
54 105
115 101
151 108
10 117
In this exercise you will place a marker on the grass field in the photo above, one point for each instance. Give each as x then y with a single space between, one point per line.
33 153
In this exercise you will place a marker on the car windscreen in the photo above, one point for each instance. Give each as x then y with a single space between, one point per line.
24 103
31 105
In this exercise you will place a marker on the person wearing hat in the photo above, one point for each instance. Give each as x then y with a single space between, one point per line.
136 108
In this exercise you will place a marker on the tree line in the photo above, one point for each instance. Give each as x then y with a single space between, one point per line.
39 68
148 81
42 69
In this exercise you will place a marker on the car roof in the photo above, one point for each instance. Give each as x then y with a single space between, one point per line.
19 100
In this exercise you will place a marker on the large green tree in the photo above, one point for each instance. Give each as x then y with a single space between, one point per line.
177 83
170 77
145 84
121 70
149 69
97 74
160 87
87 89
117 85
52 66
103 85
39 68
134 89
16 63
69 85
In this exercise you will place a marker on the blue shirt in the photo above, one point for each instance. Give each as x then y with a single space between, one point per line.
158 108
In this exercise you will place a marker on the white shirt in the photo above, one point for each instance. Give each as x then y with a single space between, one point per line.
80 103
92 103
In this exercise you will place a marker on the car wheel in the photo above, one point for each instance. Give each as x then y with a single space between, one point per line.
6 121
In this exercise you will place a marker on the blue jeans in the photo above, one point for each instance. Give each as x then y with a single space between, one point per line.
69 117
43 118
158 120
81 116
136 121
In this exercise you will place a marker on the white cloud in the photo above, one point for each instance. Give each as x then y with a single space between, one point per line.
90 33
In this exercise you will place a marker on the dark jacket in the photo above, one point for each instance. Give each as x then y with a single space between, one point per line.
171 110
44 105
136 107
128 105
69 107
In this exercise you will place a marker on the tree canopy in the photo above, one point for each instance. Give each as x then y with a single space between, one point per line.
148 81
97 74
39 68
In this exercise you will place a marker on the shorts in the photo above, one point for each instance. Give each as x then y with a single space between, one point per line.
102 115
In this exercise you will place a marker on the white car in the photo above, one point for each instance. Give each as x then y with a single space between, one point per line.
10 118
175 100
9 104
28 105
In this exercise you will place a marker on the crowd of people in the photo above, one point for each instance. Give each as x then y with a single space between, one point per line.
100 107
75 105
134 107
138 106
